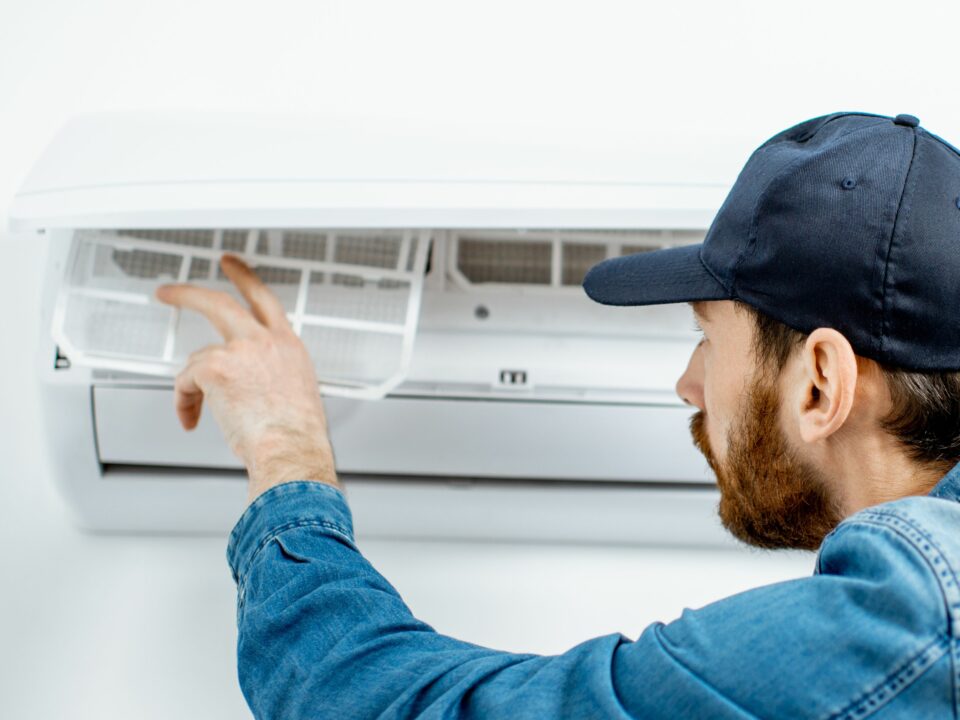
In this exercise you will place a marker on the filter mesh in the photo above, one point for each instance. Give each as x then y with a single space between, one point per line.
234 241
194 238
528 257
125 269
199 268
373 250
578 258
329 297
348 293
352 356
484 260
144 264
118 328
305 245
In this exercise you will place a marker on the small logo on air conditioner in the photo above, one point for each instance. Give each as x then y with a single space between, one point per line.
513 378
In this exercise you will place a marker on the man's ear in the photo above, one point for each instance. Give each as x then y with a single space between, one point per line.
828 368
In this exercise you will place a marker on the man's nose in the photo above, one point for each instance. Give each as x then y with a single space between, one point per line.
690 385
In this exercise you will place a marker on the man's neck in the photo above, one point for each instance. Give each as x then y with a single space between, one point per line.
878 470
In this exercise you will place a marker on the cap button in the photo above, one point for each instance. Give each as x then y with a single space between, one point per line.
906 120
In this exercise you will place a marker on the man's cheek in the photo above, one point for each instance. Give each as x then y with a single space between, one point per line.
715 436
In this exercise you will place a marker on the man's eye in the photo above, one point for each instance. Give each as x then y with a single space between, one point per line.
699 330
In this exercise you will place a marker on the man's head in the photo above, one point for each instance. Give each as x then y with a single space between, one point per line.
771 495
827 378
795 426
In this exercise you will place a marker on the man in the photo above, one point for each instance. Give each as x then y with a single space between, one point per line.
828 289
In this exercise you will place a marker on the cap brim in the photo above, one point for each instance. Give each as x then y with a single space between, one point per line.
656 277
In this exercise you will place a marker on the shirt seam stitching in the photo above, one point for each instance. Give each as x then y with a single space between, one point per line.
926 658
877 519
267 497
269 536
657 633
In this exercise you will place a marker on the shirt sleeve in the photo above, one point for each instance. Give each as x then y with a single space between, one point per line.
323 634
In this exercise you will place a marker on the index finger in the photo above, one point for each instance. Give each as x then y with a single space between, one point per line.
265 305
228 316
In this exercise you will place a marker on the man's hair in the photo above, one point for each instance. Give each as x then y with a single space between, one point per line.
925 413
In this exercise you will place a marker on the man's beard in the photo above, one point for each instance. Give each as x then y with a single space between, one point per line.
768 496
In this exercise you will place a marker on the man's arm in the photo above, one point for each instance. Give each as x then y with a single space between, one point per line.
322 634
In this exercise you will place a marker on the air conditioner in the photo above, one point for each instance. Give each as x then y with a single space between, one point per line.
472 388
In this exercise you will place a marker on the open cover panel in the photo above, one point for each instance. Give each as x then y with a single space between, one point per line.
353 296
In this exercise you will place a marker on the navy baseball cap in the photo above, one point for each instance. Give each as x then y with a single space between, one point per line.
849 221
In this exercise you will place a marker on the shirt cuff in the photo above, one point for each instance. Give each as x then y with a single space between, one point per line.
280 508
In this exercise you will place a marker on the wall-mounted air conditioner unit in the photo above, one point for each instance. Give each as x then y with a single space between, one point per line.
471 386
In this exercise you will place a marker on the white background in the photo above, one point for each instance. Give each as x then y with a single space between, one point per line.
143 627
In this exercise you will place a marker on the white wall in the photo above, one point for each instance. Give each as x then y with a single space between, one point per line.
121 627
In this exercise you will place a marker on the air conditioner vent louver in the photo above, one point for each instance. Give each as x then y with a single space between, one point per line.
549 258
353 296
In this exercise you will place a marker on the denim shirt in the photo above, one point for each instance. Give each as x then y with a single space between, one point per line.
873 633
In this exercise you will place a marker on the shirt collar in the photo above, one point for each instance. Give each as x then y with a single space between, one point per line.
949 486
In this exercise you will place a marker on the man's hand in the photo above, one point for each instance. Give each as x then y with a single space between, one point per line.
260 384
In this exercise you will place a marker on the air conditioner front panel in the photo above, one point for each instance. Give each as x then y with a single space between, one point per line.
173 170
431 437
